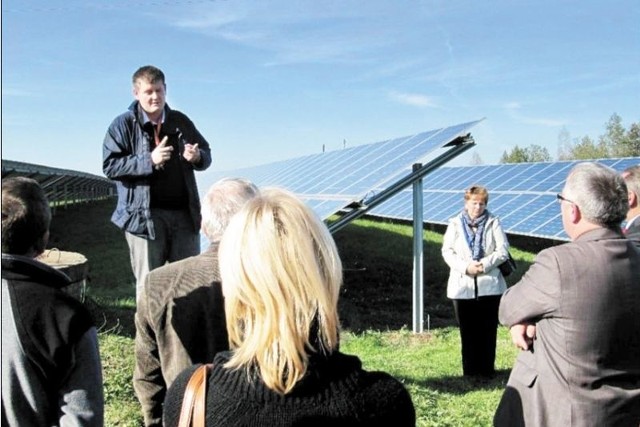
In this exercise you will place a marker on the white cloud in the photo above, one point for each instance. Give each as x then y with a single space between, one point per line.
414 99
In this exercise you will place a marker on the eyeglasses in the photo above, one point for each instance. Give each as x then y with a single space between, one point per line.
560 198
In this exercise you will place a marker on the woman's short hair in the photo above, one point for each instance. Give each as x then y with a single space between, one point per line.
281 276
477 190
599 191
26 217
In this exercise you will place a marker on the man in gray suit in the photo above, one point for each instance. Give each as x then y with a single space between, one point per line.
631 176
576 316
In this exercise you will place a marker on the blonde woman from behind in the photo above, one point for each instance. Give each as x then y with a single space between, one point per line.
281 277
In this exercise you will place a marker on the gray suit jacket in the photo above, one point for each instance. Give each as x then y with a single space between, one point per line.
584 369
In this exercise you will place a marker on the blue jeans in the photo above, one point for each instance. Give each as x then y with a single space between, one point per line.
175 240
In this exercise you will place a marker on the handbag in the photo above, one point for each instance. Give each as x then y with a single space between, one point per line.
194 402
508 266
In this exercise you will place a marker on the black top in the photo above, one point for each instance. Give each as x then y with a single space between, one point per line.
336 391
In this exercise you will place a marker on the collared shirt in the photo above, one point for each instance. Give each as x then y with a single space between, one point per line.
630 222
148 120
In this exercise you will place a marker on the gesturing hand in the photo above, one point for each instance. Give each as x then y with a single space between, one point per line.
162 153
191 153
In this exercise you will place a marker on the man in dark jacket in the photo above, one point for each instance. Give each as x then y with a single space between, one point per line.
151 152
180 316
51 371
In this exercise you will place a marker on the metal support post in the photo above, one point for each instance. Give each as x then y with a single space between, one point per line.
418 251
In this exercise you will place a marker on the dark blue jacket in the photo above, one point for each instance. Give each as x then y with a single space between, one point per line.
126 159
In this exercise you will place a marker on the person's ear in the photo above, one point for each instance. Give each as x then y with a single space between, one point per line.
632 198
574 214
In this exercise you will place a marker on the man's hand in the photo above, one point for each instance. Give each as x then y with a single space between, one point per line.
191 153
523 334
161 153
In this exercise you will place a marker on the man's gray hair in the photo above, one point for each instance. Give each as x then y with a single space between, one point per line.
600 193
223 200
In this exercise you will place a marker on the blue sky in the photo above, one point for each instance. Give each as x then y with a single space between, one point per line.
271 80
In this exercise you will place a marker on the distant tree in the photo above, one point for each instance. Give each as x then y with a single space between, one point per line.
532 153
587 149
633 140
615 142
476 160
564 144
620 142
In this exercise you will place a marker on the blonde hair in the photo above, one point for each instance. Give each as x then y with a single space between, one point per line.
281 277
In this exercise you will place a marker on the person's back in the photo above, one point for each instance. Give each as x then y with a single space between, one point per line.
335 392
180 315
51 371
576 315
281 276
592 340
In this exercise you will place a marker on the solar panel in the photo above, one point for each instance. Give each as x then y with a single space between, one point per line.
334 179
523 195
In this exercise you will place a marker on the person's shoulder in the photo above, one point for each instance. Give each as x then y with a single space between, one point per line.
177 115
122 119
178 267
379 380
455 220
387 398
383 381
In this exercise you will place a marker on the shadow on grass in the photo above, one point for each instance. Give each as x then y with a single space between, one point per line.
86 229
377 257
377 293
112 319
459 385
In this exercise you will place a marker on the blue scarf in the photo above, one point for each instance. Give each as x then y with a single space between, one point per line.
475 240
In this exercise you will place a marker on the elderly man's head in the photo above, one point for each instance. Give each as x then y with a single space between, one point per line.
593 196
223 200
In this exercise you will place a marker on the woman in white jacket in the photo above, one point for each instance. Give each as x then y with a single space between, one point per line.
474 246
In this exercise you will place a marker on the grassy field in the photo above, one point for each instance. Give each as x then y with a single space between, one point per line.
375 310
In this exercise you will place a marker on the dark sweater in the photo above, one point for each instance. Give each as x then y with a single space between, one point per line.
336 391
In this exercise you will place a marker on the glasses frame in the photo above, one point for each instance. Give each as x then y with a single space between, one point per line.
560 198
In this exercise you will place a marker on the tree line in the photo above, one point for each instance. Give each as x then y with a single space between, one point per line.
617 141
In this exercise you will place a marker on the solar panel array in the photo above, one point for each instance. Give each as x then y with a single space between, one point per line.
523 195
332 180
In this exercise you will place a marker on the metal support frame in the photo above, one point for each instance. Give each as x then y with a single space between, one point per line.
418 251
419 171
458 146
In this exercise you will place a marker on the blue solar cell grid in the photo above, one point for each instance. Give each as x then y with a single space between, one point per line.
522 194
350 174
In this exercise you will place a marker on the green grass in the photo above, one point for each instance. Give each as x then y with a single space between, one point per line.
375 310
